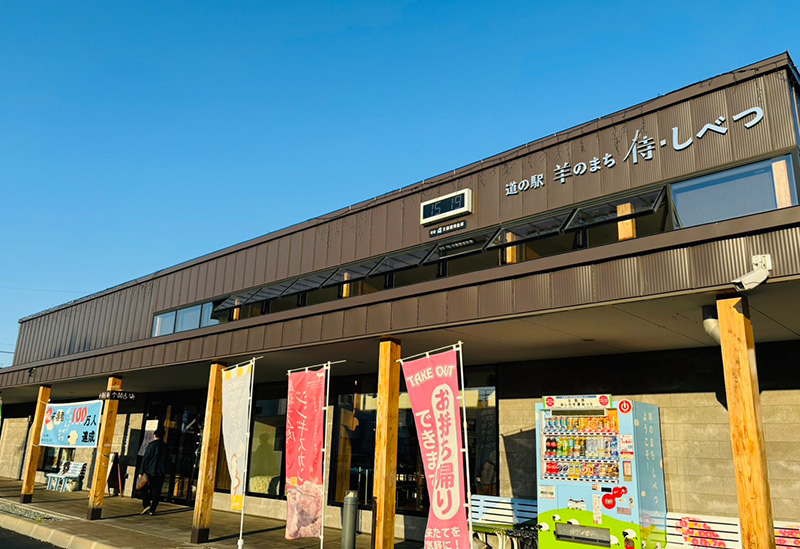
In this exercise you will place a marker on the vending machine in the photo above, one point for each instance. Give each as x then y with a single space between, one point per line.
600 473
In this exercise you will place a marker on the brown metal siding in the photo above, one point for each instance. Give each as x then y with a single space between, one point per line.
433 309
348 239
170 350
229 284
292 331
334 242
274 335
355 322
394 225
487 190
379 318
585 148
616 279
377 230
462 304
532 293
404 313
272 260
332 325
412 230
307 257
321 235
182 351
295 254
614 141
571 286
496 298
665 271
196 349
255 338
248 280
783 245
260 269
239 342
778 100
363 234
720 262
311 330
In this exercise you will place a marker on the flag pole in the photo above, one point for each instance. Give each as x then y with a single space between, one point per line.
240 542
325 451
465 449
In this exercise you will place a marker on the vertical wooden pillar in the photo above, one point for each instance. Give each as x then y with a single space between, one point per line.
626 229
32 453
385 485
100 475
747 429
207 474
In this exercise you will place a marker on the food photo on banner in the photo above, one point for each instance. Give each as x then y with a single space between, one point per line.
237 386
433 389
305 421
71 425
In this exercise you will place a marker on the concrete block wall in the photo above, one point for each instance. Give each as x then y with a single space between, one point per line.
12 446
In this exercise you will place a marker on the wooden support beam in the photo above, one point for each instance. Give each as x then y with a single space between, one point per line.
385 485
207 474
32 453
100 476
626 229
747 429
780 178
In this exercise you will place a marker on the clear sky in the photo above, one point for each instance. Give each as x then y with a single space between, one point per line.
137 135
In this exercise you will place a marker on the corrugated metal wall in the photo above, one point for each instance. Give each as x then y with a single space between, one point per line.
125 315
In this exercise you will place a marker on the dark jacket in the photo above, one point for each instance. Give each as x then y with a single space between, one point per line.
154 462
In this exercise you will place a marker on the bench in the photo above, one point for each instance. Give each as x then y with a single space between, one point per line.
58 481
691 530
512 517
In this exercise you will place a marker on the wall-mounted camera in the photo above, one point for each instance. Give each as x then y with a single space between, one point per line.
762 266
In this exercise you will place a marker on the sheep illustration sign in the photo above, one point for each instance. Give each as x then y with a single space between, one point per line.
73 425
601 475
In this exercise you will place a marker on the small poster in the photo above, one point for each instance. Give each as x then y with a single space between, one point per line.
74 425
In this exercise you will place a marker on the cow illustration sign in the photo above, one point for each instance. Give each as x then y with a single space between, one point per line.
73 425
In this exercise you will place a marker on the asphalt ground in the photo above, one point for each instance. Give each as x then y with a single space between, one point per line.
12 540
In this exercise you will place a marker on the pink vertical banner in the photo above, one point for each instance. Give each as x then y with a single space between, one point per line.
433 389
305 422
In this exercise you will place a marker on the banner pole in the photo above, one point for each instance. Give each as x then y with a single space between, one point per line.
325 451
465 449
240 542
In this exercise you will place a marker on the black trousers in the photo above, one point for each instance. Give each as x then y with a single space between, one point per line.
151 492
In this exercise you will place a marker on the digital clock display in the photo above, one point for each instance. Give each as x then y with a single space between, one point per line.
445 207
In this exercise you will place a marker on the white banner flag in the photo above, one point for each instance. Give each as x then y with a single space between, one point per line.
236 387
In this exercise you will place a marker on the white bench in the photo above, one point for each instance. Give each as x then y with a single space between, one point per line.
691 530
512 517
58 481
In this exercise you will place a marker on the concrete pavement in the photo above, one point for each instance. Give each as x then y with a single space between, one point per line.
62 521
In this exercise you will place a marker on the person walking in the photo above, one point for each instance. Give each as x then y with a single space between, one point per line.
154 465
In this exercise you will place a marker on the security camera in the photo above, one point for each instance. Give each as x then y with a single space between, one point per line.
762 266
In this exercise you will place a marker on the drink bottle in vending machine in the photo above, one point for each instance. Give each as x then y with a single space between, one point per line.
600 473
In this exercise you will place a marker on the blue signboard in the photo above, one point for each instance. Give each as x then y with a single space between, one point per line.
74 425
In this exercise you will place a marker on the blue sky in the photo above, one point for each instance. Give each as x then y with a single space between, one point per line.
136 135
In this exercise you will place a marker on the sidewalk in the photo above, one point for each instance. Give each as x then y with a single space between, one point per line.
123 527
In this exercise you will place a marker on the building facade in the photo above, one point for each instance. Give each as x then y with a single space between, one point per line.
575 264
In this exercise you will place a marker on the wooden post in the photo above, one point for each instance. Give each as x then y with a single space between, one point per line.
100 475
207 474
747 429
385 484
626 229
32 453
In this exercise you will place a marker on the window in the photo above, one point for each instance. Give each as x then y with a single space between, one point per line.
206 317
188 319
267 442
735 193
353 438
164 324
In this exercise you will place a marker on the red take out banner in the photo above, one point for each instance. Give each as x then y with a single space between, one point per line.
433 390
305 420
